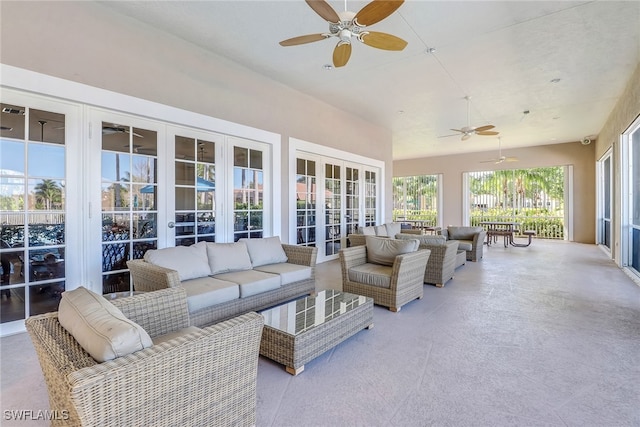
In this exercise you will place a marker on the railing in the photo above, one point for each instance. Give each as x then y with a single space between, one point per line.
546 227
428 218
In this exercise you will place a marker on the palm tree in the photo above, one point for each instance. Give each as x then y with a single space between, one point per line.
47 193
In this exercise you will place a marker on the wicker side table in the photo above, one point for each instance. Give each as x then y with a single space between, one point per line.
299 331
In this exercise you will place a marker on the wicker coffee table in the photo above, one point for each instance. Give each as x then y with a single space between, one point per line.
299 331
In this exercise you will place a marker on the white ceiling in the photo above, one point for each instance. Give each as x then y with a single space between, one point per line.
504 54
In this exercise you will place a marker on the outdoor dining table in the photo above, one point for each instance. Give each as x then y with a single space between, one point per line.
500 228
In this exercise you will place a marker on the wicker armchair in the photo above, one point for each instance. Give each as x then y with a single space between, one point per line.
442 261
206 377
471 239
393 286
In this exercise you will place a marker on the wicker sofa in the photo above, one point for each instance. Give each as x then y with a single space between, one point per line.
188 376
388 270
442 261
471 239
233 278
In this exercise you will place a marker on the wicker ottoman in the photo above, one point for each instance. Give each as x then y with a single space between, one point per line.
299 331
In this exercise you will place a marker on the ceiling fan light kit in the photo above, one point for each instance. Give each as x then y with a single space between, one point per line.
347 25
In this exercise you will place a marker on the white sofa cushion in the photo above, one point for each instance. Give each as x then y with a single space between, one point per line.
381 230
225 257
288 273
383 251
393 228
267 250
369 230
189 261
252 282
99 326
207 291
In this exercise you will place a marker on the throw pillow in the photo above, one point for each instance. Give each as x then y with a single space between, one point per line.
190 262
99 326
226 257
384 251
267 250
369 231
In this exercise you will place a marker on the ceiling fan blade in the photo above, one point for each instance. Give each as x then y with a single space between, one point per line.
511 159
323 9
447 136
341 54
376 11
309 38
382 40
465 137
134 134
484 128
487 133
458 130
490 161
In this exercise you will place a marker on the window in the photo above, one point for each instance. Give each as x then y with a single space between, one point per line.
248 193
416 198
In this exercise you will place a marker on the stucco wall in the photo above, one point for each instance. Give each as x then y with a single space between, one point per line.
88 43
452 167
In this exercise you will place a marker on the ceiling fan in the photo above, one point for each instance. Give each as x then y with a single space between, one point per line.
468 130
500 157
110 130
347 25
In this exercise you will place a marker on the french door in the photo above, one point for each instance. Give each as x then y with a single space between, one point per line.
39 200
605 200
333 199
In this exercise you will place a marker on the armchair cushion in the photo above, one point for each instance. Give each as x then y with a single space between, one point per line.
267 250
369 231
381 230
371 274
384 251
225 257
462 232
190 262
100 327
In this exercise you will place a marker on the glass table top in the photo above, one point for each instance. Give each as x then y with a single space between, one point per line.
303 314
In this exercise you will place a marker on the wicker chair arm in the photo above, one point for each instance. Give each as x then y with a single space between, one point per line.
479 238
149 277
158 312
301 255
409 268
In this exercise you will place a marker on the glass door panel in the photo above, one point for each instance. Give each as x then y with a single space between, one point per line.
333 209
352 200
32 211
129 181
248 193
306 197
370 198
195 190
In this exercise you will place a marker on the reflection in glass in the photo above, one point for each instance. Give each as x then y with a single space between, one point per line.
185 148
11 194
45 126
116 282
240 222
185 199
115 227
45 298
12 306
255 220
144 197
185 242
46 194
144 226
206 151
46 160
46 264
185 230
12 230
46 229
139 248
185 173
144 169
255 159
206 223
12 159
11 267
240 157
115 256
115 197
115 166
13 121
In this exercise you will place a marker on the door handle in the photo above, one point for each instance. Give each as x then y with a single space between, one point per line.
171 224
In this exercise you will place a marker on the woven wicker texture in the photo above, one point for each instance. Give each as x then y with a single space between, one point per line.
406 277
477 244
149 277
442 262
296 350
202 378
